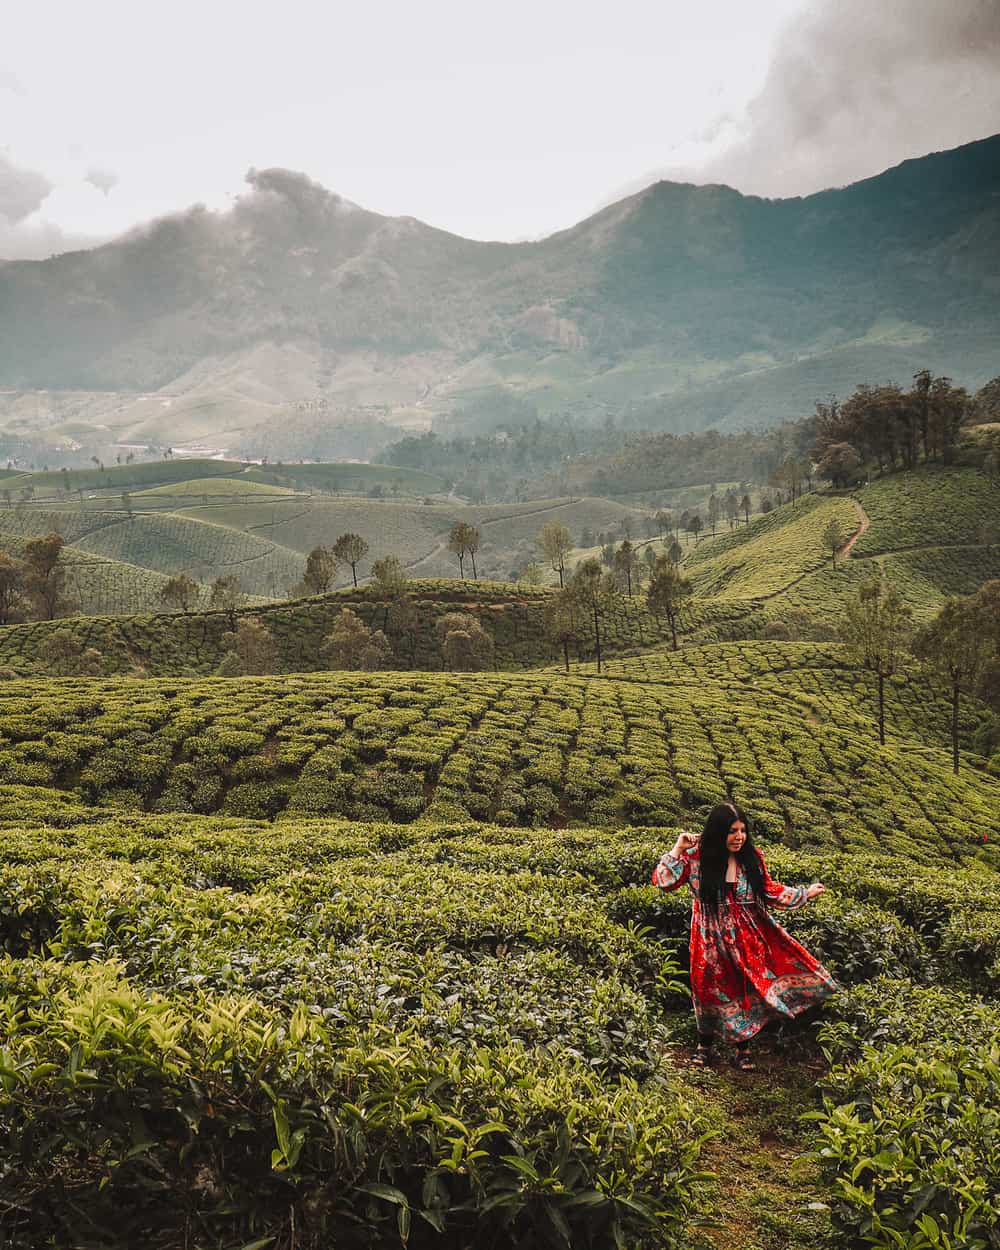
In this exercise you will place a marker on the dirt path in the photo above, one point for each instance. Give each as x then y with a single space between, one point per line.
845 551
769 1197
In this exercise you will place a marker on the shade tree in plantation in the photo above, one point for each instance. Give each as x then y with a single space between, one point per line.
44 577
388 575
250 650
11 585
745 508
593 592
957 646
180 593
225 594
464 541
667 593
675 552
625 563
465 646
351 549
714 511
402 626
833 538
354 646
876 628
556 543
562 623
321 571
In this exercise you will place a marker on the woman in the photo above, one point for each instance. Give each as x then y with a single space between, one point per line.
745 969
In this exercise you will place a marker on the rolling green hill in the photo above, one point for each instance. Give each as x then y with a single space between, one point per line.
251 924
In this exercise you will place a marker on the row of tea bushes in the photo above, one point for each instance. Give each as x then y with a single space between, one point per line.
532 750
351 1041
451 1034
908 1131
927 507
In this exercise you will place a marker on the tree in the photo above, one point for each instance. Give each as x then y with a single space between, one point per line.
875 629
226 595
466 647
44 576
714 509
65 655
556 543
388 575
664 522
667 592
463 540
321 571
127 503
694 525
731 507
352 645
675 552
745 505
352 549
402 621
593 592
562 623
956 645
833 537
626 563
251 650
840 464
180 594
11 582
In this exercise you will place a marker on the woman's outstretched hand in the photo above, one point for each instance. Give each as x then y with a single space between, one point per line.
815 890
685 842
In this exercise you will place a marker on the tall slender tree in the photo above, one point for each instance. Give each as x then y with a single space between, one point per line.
875 629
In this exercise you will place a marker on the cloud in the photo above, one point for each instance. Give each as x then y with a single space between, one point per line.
853 89
102 179
21 191
24 235
856 87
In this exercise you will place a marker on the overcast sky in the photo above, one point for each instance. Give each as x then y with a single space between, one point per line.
498 121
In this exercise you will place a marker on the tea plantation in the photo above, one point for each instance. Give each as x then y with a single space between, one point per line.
362 960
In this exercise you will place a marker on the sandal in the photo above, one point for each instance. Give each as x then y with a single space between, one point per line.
702 1058
743 1061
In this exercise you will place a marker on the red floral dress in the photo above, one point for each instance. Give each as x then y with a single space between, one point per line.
745 969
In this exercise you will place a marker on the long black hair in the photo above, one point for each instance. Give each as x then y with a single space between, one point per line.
714 856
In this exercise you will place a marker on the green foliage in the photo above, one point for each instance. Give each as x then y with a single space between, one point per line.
930 506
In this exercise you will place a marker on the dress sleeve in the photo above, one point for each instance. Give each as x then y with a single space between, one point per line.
787 897
672 871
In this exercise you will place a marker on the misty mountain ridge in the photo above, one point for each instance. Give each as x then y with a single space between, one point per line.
681 305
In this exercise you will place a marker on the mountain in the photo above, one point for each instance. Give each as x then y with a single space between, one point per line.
687 305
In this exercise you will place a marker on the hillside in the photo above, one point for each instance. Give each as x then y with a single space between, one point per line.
345 958
300 316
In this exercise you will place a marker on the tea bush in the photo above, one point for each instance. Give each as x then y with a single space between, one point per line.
908 1132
